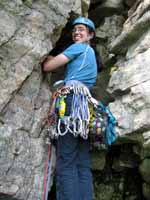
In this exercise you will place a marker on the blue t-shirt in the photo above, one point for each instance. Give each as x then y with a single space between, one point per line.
82 66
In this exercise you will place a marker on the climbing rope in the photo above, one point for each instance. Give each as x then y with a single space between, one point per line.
49 174
45 180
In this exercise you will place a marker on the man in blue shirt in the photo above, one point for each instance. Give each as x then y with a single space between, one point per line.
73 174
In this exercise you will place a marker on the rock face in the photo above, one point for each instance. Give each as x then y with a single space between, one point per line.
130 82
30 29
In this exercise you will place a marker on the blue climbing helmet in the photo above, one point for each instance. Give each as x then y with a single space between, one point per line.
85 21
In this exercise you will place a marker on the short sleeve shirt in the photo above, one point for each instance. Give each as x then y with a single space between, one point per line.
82 65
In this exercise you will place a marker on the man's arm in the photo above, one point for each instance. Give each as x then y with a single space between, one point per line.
53 63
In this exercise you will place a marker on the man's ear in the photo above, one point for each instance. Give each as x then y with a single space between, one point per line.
91 35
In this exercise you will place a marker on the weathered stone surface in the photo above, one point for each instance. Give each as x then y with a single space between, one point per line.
7 30
129 2
131 73
85 4
13 76
139 9
129 85
113 3
98 160
134 27
31 40
140 46
105 9
110 28
132 110
102 194
28 30
17 164
144 170
146 190
125 161
108 31
146 144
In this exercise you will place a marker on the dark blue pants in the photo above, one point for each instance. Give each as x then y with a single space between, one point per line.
73 173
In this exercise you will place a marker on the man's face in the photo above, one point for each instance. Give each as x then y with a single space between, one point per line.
80 33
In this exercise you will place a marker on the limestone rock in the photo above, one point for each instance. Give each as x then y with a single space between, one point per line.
9 189
129 2
129 86
17 163
139 9
30 29
108 31
144 170
131 73
85 4
146 190
140 46
110 28
113 3
106 9
98 160
146 144
26 34
133 80
105 192
133 29
7 30
131 118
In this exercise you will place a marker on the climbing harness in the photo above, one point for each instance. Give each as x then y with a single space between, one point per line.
87 117
78 119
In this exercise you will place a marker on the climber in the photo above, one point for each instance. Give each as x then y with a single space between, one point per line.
73 173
